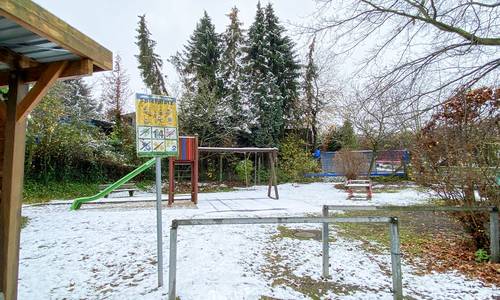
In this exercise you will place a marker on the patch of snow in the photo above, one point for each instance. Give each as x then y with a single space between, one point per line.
108 251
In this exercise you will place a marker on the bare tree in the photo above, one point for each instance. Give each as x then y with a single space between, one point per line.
435 47
375 118
116 91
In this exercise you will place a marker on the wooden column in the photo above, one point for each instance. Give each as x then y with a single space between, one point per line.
12 184
195 174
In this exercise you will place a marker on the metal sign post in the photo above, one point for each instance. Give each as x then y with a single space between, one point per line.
159 230
157 136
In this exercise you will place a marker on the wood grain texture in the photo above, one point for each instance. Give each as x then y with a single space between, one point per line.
41 87
43 23
11 195
74 69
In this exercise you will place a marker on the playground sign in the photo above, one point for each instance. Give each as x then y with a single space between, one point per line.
156 125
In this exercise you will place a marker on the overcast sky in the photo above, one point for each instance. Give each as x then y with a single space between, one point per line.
112 23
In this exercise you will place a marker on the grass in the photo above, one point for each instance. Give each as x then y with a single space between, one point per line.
24 221
416 230
37 192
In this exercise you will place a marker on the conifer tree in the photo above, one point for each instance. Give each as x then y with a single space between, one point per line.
150 63
284 66
232 74
202 54
271 75
202 109
313 104
77 97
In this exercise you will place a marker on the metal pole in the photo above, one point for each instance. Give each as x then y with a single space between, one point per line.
324 237
172 265
494 236
159 231
397 282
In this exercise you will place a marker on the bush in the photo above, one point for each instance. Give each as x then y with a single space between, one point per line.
456 155
244 170
295 161
350 163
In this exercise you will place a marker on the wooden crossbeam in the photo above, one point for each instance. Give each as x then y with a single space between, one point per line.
74 69
43 23
47 79
15 60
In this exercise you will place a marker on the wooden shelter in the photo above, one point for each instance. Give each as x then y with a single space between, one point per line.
36 49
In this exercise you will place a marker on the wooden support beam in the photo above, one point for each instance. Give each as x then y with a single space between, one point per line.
11 195
36 19
15 60
74 69
48 78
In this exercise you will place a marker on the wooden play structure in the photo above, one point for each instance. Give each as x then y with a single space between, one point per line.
188 155
272 155
37 48
364 186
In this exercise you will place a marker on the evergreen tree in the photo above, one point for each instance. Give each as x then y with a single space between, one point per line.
271 78
202 55
313 104
150 63
77 97
348 137
261 89
202 109
232 74
284 66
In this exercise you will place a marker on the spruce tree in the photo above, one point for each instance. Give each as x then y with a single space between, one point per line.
150 63
77 97
272 73
285 68
232 74
313 104
202 109
202 54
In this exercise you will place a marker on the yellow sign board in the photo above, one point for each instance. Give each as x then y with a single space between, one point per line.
156 125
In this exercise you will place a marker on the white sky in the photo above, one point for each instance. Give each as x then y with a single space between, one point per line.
112 23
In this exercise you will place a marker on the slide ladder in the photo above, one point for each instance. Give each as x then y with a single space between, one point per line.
79 201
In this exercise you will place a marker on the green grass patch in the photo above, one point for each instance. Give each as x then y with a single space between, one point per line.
376 236
145 185
37 192
24 221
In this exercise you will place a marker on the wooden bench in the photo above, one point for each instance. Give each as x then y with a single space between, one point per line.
130 187
364 185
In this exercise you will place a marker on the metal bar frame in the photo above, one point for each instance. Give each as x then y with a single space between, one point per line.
325 221
493 210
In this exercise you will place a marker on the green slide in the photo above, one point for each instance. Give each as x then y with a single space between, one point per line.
78 202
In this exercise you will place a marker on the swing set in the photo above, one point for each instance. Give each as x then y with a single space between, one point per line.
189 156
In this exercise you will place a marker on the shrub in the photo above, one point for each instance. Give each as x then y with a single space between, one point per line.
481 255
456 155
350 163
295 160
244 170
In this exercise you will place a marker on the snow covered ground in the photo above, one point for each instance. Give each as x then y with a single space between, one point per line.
108 251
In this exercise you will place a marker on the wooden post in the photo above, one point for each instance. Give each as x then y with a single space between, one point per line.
255 169
275 177
273 180
220 168
195 174
12 185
